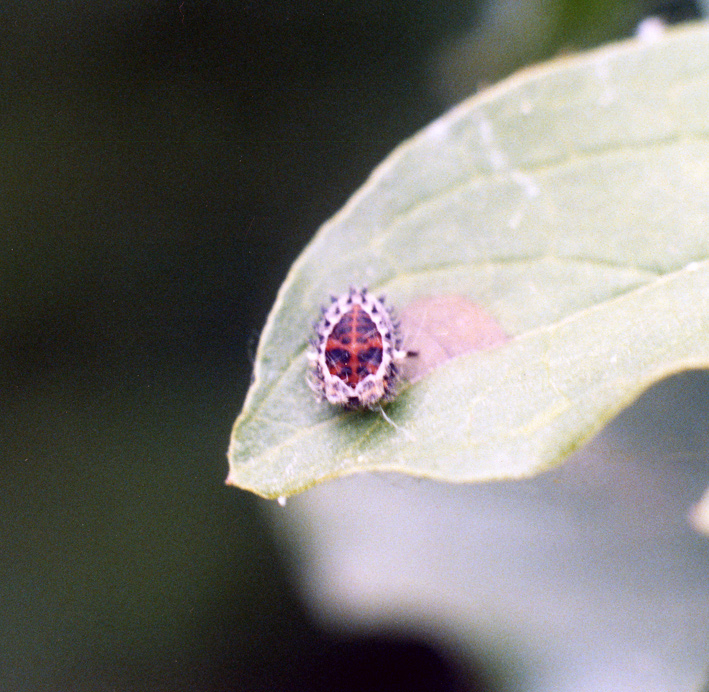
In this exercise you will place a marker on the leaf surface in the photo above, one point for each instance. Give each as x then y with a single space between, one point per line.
570 202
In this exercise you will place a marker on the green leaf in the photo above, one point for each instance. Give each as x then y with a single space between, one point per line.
571 202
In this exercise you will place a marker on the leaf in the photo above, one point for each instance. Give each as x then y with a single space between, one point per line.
570 202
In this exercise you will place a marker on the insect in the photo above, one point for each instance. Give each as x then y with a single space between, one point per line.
356 352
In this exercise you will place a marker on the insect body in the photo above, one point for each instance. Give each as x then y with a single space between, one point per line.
356 352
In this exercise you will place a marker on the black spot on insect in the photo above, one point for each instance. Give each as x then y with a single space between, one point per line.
337 356
371 355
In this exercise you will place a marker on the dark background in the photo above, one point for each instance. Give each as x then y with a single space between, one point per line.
162 165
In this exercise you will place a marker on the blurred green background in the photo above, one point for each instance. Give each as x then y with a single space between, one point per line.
162 165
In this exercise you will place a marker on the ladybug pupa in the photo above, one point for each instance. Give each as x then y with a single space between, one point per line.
356 352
